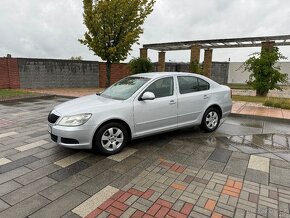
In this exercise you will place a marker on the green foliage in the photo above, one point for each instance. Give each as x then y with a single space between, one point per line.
140 65
113 27
79 58
265 74
194 67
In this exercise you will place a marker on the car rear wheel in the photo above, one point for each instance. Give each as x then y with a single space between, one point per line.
210 120
111 138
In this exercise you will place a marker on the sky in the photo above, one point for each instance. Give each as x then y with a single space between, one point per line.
51 28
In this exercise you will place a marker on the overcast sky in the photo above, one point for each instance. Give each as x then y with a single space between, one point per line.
51 28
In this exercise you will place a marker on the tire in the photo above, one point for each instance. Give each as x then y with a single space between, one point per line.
211 120
111 138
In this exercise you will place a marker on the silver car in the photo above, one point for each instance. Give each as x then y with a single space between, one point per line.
137 106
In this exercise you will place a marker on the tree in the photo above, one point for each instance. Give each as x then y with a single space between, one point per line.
140 65
265 73
194 67
79 58
113 26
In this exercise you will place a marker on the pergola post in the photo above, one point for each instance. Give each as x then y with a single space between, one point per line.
144 53
267 45
161 61
207 62
195 53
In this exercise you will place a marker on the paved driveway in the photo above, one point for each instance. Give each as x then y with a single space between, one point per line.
240 170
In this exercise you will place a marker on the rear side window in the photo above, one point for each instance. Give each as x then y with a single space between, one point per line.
203 85
189 84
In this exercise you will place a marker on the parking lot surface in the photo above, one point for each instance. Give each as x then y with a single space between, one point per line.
241 170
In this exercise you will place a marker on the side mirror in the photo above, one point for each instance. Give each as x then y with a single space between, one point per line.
148 96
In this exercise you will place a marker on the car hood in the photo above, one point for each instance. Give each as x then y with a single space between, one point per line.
86 104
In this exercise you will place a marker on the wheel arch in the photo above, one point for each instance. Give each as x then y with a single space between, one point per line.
115 120
216 106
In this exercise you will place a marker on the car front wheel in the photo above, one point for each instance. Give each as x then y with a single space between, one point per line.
210 120
111 138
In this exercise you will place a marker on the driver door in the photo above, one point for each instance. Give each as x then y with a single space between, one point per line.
160 114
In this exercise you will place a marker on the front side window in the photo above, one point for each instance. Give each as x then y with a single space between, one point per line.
125 88
162 87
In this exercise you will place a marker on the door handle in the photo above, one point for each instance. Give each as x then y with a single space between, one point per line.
172 102
205 97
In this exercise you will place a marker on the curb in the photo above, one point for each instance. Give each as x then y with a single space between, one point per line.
264 118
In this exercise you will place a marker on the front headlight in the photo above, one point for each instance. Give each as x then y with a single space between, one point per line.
75 120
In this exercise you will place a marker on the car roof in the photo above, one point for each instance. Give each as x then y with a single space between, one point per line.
158 74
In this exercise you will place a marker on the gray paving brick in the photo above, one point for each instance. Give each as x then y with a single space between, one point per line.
122 181
48 152
27 191
3 205
13 174
131 200
223 211
16 164
37 174
69 171
26 207
202 211
178 205
220 155
26 153
63 187
139 206
257 176
9 187
101 181
240 213
62 205
70 215
98 168
236 167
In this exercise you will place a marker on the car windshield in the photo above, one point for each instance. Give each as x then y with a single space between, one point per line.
125 88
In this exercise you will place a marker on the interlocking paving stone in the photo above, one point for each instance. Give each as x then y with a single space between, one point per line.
61 188
61 205
214 166
4 161
26 153
16 164
31 145
236 167
26 207
96 200
257 176
3 135
280 176
220 155
37 174
72 159
69 171
9 187
27 191
4 177
123 155
99 182
98 168
125 165
259 163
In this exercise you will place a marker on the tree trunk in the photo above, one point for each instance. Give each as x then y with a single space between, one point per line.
262 93
108 73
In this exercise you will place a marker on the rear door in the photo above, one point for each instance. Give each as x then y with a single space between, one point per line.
193 97
160 114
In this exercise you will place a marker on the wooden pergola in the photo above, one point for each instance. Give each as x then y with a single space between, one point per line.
266 42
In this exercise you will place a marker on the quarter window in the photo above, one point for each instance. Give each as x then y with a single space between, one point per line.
162 87
189 84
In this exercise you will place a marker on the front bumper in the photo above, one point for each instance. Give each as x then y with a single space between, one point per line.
78 137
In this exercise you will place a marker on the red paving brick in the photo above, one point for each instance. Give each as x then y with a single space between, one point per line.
106 204
136 192
137 214
176 214
210 204
120 206
114 211
148 194
124 197
117 195
186 209
162 212
153 209
94 213
216 215
178 186
164 203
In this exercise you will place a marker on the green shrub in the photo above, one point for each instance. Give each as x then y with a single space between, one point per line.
140 65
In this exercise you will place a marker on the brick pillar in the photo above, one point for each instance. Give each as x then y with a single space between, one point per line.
207 62
267 45
161 61
195 54
144 53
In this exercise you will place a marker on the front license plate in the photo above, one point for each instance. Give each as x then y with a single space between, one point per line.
49 129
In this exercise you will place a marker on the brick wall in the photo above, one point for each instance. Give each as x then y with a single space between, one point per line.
56 73
9 74
118 71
